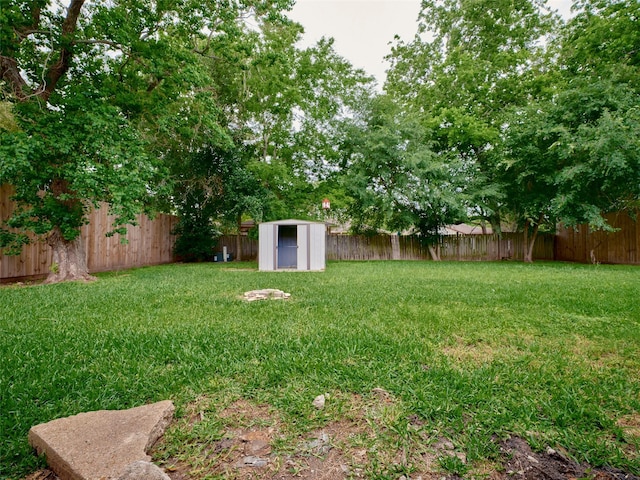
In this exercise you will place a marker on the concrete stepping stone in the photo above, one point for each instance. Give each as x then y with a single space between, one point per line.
100 445
266 294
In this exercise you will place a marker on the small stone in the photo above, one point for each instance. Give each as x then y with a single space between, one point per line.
321 445
256 443
319 402
381 392
142 470
251 461
382 395
462 457
444 444
551 451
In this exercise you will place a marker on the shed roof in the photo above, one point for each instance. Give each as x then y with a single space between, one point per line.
292 221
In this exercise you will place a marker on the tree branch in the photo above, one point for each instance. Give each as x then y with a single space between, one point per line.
58 69
10 72
98 42
27 30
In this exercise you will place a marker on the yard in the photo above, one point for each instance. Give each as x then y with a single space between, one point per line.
412 355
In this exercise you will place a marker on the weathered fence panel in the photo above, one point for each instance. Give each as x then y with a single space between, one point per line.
479 247
581 244
149 243
249 246
358 247
508 246
391 247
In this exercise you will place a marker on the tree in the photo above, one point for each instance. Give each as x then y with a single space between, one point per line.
574 157
603 40
396 180
469 64
214 190
62 164
286 106
100 93
574 153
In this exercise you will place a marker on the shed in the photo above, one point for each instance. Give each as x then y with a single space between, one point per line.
291 245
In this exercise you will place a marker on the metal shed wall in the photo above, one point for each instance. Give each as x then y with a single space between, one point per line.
267 247
310 238
304 247
317 250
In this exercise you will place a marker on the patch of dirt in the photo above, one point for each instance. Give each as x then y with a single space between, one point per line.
45 474
255 446
630 424
521 463
464 351
246 441
246 449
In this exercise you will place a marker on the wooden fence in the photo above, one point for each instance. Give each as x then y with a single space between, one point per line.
393 247
149 243
583 245
460 247
249 246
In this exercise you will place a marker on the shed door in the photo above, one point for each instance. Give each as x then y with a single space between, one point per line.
287 246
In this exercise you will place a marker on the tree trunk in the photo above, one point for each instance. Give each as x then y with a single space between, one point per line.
69 260
529 243
239 240
435 256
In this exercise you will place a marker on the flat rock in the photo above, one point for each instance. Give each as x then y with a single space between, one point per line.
100 445
266 294
251 461
142 470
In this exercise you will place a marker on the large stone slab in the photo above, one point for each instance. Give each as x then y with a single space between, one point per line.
141 470
100 445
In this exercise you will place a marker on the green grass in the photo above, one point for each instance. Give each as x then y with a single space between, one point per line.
476 351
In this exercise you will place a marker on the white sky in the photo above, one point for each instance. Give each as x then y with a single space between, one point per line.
363 29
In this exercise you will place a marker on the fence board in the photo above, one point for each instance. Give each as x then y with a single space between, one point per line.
359 247
149 243
580 244
249 246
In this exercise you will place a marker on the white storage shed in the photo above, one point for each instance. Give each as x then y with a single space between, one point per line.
291 245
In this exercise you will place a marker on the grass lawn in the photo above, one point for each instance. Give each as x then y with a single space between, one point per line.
469 352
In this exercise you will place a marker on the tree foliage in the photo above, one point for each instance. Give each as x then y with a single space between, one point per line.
396 180
543 115
470 62
496 109
574 155
103 94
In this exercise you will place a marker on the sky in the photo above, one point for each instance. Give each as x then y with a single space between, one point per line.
363 29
